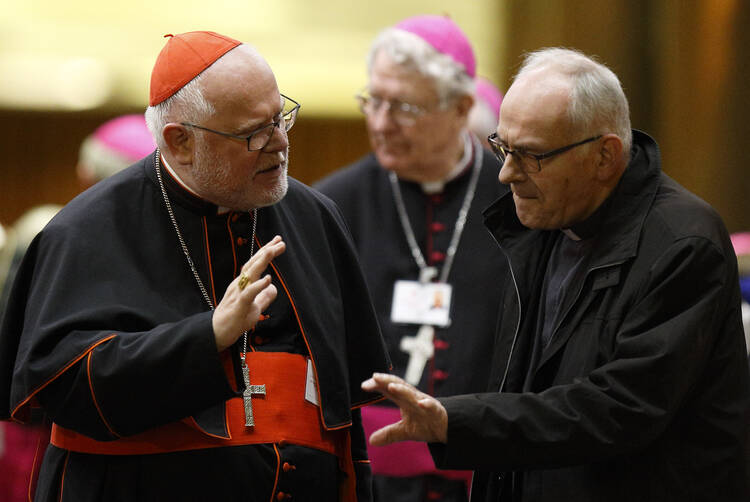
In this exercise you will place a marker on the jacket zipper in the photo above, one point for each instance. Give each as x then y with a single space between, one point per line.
518 320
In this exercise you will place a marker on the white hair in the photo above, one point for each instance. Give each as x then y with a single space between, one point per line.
482 119
186 105
408 50
597 101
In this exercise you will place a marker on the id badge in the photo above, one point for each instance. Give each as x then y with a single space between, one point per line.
311 386
421 303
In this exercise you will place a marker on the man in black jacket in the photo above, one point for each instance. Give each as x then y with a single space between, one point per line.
619 368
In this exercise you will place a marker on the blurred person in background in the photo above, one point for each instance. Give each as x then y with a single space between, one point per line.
414 206
484 114
114 145
741 244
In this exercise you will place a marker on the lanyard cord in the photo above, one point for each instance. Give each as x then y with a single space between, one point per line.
463 213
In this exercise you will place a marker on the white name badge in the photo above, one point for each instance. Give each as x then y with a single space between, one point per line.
311 386
421 303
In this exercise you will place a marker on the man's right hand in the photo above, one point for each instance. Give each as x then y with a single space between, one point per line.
240 309
423 418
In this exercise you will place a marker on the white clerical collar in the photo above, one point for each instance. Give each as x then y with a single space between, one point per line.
177 178
219 210
570 234
431 187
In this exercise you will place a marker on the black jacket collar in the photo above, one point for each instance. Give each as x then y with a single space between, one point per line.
625 211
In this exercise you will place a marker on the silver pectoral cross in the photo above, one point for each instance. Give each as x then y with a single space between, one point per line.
247 395
420 349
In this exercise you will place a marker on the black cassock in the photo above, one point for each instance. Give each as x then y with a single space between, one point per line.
462 351
108 331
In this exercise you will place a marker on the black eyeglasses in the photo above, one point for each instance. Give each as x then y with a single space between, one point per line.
526 159
260 137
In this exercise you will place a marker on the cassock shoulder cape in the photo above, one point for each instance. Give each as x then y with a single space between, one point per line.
105 308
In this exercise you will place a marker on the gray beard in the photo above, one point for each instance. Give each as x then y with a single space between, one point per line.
275 195
210 171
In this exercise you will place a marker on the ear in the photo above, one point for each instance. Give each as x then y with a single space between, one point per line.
180 142
464 104
609 161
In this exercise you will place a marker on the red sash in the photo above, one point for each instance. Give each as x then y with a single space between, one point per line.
281 416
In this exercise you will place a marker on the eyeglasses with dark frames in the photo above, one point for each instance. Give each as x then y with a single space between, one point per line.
260 137
530 162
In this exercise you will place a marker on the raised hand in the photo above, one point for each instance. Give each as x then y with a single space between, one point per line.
423 418
246 297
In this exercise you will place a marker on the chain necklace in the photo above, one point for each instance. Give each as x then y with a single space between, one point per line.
157 166
416 252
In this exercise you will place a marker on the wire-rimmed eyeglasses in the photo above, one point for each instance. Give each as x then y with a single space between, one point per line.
401 112
530 162
260 137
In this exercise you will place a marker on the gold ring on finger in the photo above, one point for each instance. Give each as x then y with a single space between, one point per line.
243 281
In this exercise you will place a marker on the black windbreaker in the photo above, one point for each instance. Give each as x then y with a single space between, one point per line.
642 393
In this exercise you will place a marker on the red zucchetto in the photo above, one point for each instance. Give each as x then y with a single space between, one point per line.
183 58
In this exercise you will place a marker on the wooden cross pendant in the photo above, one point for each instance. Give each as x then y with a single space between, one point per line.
247 395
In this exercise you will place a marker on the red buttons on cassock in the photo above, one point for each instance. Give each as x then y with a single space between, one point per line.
288 467
283 496
241 241
436 226
440 375
433 495
283 443
437 257
436 198
441 344
235 216
258 340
